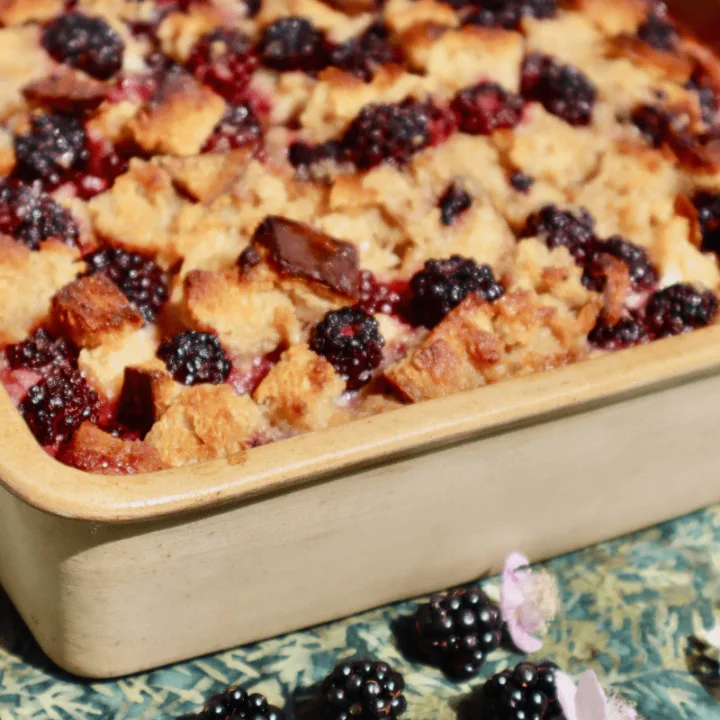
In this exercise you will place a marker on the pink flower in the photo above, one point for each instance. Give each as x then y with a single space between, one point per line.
588 701
528 602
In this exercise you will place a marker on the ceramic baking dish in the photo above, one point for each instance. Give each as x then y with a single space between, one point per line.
119 574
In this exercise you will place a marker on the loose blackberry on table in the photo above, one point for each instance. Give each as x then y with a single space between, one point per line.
443 284
527 692
194 357
457 631
236 702
363 690
350 340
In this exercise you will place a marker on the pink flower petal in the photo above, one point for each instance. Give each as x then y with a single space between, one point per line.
591 701
566 693
522 639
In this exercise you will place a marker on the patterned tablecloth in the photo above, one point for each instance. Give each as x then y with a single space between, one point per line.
629 607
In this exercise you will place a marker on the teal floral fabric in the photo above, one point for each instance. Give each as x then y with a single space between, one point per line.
630 606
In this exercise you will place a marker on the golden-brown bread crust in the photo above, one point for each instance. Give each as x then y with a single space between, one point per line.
92 311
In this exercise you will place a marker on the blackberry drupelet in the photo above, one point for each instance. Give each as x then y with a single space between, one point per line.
453 203
58 405
526 693
139 278
562 89
708 209
363 690
40 351
362 55
457 631
443 284
292 43
560 228
239 127
350 340
32 216
486 107
55 147
236 702
86 43
386 133
679 309
194 357
643 274
659 31
508 13
225 60
626 333
521 182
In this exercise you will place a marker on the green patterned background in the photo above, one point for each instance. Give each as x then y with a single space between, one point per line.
629 607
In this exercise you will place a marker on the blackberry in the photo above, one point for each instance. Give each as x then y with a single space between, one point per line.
362 55
659 31
303 155
443 284
562 89
653 123
457 631
32 216
194 357
239 127
224 60
522 182
526 693
363 690
55 147
139 278
391 133
41 350
292 43
350 340
643 274
236 702
625 333
486 107
560 228
453 203
679 309
86 43
703 84
708 209
56 406
376 297
508 13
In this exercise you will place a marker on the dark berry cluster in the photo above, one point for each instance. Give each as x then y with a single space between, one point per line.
391 133
350 340
708 209
139 278
453 203
55 147
659 31
236 702
239 127
508 13
528 692
58 405
303 155
364 690
86 43
678 309
32 216
457 631
41 351
443 284
704 84
293 43
562 89
225 60
625 333
643 274
194 357
653 123
363 55
562 228
486 107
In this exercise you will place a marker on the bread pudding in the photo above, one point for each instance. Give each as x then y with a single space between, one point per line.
225 222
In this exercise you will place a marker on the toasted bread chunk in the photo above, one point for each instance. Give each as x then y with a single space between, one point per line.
95 451
136 214
92 311
403 15
104 365
179 31
179 119
301 392
250 318
28 281
206 422
66 90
